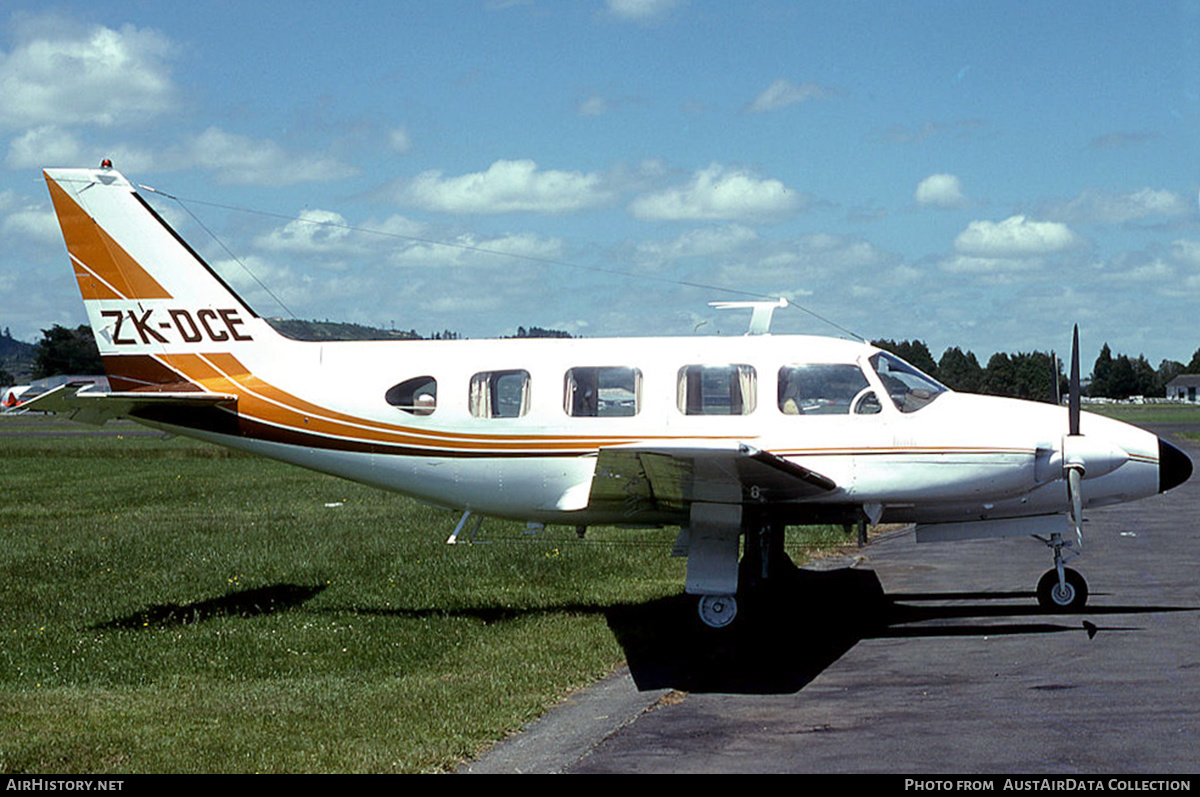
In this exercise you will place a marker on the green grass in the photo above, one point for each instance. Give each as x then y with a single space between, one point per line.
167 606
1148 413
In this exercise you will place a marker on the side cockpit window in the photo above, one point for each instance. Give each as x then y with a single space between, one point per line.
825 389
909 389
417 396
717 390
500 394
602 392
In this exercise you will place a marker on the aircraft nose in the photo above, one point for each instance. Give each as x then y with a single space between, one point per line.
1174 467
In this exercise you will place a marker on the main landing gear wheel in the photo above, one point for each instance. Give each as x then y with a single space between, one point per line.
1065 597
717 611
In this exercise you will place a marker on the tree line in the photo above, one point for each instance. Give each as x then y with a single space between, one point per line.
1034 375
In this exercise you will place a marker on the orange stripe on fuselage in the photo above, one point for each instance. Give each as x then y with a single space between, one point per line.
262 401
102 268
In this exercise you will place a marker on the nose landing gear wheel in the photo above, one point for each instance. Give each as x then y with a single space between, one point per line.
1068 597
717 611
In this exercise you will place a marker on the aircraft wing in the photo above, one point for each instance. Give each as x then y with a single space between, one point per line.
98 407
658 481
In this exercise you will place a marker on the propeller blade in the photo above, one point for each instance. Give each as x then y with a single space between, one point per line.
1073 396
1076 490
1074 470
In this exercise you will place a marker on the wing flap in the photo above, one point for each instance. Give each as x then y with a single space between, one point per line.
658 480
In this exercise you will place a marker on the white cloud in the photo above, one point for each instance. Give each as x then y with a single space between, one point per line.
593 106
239 160
1016 236
719 194
988 266
784 92
394 226
1119 140
820 264
39 225
1108 208
48 145
251 272
940 191
470 250
697 243
53 146
1151 271
62 74
268 287
901 134
399 140
506 187
640 10
236 159
315 231
1186 251
329 236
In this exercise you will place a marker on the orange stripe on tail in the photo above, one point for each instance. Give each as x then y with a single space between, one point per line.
103 269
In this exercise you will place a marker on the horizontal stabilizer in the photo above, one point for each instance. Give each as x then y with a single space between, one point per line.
97 407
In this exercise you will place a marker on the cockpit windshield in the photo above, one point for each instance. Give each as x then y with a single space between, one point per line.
909 388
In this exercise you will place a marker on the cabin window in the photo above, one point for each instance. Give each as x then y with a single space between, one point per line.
825 389
500 394
602 392
717 390
417 396
909 389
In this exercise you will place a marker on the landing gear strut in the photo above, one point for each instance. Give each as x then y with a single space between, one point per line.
1061 588
763 560
764 557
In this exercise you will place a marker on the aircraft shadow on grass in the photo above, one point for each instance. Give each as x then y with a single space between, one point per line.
809 621
786 637
246 603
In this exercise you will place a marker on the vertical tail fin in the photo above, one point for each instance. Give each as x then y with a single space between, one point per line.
149 296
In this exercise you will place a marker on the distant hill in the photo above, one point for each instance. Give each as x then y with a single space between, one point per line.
337 330
296 329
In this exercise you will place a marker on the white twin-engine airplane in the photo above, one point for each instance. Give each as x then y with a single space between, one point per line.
725 437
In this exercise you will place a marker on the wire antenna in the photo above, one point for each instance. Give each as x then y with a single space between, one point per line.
221 244
752 295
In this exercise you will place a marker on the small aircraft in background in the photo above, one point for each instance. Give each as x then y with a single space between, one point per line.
13 396
728 438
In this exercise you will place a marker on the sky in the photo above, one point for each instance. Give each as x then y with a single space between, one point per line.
980 175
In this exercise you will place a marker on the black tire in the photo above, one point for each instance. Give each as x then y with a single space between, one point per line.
717 611
1053 599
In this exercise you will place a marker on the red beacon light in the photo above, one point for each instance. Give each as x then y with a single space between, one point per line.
106 163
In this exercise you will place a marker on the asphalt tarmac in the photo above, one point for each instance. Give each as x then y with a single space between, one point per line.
930 659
